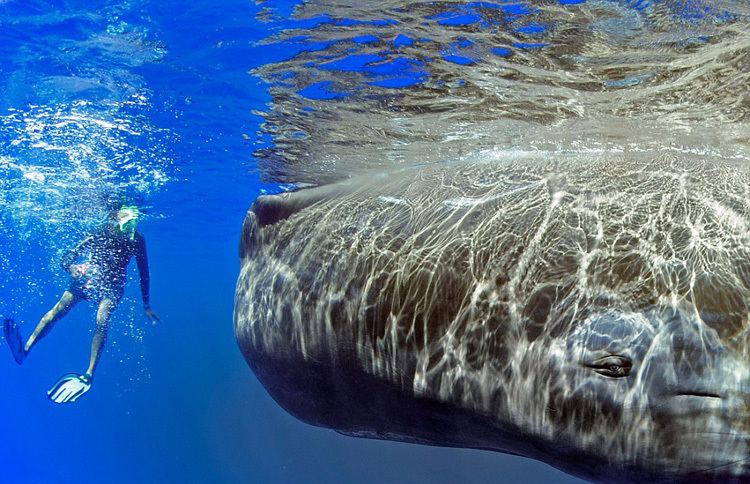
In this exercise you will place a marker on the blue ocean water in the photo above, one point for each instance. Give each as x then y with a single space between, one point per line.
161 103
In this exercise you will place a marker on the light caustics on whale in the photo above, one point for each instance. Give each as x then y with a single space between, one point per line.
573 286
589 313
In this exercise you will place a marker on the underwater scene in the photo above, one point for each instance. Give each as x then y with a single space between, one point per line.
136 135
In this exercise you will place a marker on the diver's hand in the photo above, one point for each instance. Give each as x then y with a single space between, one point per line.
151 315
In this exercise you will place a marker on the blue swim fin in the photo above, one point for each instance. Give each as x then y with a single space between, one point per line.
14 340
69 388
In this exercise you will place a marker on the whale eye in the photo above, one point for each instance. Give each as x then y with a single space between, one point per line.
614 366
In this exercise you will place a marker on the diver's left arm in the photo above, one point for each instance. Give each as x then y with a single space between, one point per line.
141 258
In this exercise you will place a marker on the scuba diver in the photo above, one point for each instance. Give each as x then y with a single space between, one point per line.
99 277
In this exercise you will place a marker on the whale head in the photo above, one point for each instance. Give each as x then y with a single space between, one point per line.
591 314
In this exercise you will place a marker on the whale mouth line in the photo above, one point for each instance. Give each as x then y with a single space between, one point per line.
698 393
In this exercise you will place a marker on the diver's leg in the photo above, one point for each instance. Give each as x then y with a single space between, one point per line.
63 307
103 315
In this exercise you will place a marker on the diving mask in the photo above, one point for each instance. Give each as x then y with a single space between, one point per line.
127 219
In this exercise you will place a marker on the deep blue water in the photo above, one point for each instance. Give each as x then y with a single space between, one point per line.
155 102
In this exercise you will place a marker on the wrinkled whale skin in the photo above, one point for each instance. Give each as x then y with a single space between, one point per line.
586 311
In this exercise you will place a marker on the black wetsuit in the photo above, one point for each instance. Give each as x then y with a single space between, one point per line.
109 252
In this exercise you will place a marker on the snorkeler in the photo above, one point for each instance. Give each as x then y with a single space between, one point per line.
99 279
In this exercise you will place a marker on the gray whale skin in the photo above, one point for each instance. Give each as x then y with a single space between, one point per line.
588 312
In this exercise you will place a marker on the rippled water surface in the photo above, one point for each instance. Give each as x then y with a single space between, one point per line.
397 82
